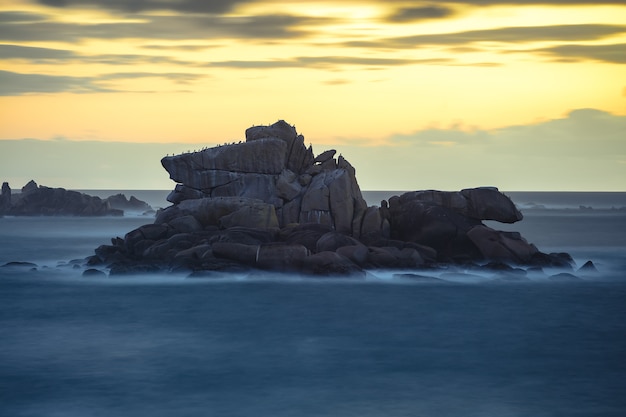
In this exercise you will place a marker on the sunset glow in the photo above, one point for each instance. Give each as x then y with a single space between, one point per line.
355 76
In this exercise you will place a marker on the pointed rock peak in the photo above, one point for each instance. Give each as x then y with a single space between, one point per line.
31 186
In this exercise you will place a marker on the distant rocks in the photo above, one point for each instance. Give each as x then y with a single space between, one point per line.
270 203
38 200
121 202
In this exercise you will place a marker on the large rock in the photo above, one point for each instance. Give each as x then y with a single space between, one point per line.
502 246
224 211
264 156
433 225
298 157
484 203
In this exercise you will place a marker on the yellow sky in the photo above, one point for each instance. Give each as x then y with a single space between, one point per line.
347 74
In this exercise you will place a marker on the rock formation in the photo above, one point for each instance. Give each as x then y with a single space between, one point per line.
38 200
5 198
269 203
120 202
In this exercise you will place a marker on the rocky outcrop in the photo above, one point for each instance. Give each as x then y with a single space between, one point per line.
269 203
121 202
272 166
38 200
5 198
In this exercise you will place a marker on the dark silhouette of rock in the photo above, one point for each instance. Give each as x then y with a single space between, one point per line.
5 198
94 273
37 200
269 203
120 202
588 267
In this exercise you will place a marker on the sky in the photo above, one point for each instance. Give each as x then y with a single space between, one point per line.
522 95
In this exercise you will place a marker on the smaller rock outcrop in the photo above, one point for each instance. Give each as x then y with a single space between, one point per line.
38 200
121 202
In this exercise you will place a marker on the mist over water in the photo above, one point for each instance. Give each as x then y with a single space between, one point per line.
282 345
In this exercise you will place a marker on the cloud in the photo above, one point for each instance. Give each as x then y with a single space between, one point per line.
614 53
175 27
412 14
581 151
35 54
125 6
177 77
324 62
583 133
15 84
519 34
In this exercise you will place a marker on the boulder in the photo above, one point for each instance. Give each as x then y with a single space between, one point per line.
330 263
305 234
281 257
502 246
224 211
433 225
239 252
331 241
484 203
185 224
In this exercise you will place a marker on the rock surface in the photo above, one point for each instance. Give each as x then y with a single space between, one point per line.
269 203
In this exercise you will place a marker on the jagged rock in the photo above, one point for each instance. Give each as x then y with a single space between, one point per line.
287 185
30 186
298 157
120 202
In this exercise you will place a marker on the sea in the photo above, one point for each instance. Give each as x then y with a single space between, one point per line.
466 344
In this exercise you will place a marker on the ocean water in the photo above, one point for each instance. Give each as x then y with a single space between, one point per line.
166 345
